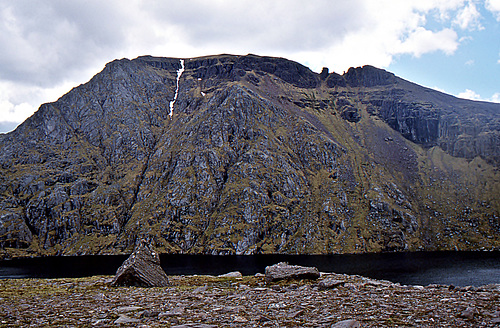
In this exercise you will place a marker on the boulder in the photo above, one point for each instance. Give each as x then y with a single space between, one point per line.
142 268
330 283
283 270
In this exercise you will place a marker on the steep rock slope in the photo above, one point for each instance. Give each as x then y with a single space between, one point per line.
259 155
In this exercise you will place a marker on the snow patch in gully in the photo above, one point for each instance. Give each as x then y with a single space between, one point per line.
179 73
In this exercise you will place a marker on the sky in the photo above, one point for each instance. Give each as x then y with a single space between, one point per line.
48 47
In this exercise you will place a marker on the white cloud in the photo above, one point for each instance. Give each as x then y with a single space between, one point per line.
65 42
469 94
472 95
389 28
439 89
16 104
52 42
468 17
421 41
44 44
494 7
494 98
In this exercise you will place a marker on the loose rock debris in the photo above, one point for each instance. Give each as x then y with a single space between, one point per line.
334 300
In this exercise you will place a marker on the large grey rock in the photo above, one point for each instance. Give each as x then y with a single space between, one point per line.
142 268
283 271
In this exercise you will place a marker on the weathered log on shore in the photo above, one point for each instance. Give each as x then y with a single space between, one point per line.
142 269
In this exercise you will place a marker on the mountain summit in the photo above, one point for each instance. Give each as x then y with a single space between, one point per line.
246 154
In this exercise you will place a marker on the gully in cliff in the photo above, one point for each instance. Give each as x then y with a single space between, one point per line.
179 73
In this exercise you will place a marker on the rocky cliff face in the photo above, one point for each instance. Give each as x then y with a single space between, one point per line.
258 155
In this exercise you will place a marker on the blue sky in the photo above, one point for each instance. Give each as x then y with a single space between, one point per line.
50 46
472 71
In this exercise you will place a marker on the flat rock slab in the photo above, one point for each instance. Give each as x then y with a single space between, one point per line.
126 319
125 309
346 324
235 274
194 325
329 283
283 271
141 269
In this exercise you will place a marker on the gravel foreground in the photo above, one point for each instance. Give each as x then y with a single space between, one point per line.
250 301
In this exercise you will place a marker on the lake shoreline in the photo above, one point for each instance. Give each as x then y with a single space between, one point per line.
248 301
422 268
8 256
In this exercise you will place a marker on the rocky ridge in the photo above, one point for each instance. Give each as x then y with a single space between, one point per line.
261 155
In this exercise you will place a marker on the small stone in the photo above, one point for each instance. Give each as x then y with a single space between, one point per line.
468 313
259 275
235 274
346 324
125 309
297 314
174 312
200 289
263 318
150 314
108 281
194 325
125 319
100 322
230 309
330 283
239 319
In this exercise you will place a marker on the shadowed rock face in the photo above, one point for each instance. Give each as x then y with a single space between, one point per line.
261 155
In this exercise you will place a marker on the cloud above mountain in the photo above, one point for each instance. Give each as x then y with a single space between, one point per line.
49 46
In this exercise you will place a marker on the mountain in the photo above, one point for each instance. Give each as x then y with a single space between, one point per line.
246 154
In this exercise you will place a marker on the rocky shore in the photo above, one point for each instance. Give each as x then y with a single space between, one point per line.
334 300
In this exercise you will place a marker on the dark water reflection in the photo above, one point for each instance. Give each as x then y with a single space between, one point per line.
422 268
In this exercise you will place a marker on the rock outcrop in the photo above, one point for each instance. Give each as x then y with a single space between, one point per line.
285 271
141 269
260 155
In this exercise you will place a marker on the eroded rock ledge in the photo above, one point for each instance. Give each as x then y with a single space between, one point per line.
207 301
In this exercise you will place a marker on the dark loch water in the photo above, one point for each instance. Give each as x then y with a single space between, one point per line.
421 268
